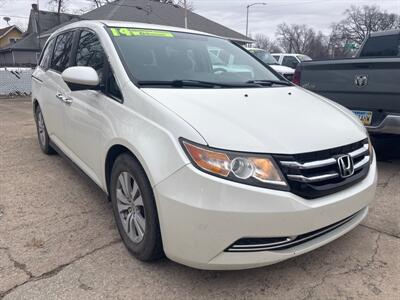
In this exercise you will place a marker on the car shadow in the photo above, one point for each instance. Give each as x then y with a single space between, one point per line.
387 147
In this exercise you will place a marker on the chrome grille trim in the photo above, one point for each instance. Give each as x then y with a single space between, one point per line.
362 162
309 165
301 178
322 163
292 241
287 240
360 151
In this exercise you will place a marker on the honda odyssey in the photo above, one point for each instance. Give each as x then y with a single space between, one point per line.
217 167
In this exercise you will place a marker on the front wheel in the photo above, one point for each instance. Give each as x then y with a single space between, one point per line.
43 136
134 209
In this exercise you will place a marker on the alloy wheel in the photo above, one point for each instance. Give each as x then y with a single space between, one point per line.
41 128
130 207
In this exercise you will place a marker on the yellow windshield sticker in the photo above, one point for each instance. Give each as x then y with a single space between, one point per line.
140 32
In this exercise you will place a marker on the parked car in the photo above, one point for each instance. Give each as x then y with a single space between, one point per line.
218 170
220 66
268 59
290 60
368 84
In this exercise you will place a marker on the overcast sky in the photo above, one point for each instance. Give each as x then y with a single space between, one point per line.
319 14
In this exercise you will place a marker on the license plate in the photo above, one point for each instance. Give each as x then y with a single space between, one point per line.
364 116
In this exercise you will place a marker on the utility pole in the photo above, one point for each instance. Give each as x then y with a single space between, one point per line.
247 15
186 16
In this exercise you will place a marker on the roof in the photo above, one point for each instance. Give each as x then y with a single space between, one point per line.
129 25
5 30
48 20
28 42
153 12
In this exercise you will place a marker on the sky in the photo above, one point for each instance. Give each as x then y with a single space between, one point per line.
319 14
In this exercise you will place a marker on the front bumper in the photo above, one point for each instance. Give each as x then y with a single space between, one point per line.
389 125
201 215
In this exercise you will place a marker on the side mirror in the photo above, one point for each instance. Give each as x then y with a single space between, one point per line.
80 78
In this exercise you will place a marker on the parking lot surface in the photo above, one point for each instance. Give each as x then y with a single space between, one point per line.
58 239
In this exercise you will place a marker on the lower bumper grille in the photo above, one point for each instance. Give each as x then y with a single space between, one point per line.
281 243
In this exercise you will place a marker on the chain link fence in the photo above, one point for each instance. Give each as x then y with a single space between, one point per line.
15 81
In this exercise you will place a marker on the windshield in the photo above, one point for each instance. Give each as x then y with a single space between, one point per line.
303 57
166 56
265 57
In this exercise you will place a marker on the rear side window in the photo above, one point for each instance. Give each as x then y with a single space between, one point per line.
46 56
90 53
62 52
290 62
387 45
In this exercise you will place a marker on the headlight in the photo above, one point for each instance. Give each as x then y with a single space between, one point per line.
257 170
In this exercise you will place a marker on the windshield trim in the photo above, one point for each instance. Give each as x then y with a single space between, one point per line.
135 81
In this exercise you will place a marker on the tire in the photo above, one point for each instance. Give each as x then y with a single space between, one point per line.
43 136
136 209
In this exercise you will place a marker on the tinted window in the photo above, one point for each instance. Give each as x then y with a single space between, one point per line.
46 56
387 45
112 87
290 61
62 52
90 53
302 57
276 57
265 57
153 55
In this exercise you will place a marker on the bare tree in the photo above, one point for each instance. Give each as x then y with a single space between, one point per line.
264 42
180 3
297 38
98 3
360 21
58 5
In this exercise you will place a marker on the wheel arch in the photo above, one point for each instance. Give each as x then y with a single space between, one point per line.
35 104
113 152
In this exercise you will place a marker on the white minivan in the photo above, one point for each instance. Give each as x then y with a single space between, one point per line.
217 168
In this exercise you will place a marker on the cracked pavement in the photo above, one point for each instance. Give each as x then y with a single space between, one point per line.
58 239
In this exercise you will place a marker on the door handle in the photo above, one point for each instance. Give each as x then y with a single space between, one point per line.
63 98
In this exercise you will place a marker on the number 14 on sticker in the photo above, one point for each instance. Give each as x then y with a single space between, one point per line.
139 32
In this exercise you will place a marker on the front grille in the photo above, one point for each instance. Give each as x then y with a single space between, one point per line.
288 76
281 243
316 174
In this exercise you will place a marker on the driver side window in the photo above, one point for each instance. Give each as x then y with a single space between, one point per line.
90 53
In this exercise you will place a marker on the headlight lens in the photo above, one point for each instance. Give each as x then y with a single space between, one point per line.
240 167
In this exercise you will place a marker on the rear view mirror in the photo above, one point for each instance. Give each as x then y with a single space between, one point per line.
80 78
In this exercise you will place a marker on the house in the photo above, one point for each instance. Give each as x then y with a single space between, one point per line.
42 24
26 50
156 12
9 35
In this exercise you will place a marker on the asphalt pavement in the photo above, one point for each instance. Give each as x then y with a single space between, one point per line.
58 239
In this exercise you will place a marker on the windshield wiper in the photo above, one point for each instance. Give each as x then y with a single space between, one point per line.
195 83
270 82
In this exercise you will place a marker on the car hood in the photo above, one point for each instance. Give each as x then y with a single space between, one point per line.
283 120
282 69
